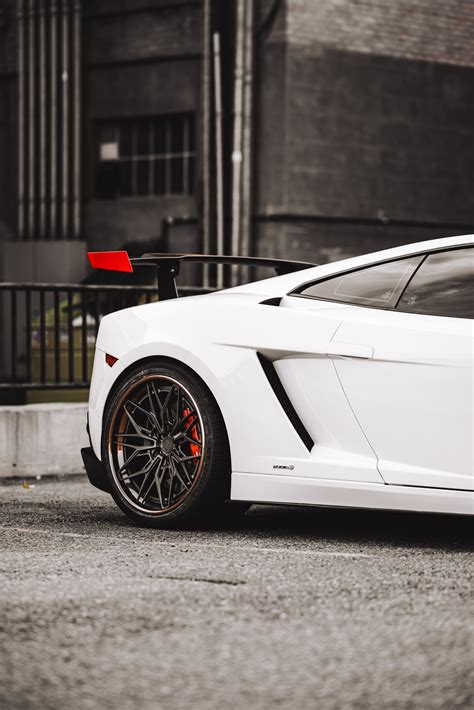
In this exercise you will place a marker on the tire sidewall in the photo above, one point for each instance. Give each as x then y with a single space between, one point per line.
203 492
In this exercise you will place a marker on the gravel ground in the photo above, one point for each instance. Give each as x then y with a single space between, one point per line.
294 608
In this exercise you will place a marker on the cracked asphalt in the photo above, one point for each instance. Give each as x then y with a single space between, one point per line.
291 608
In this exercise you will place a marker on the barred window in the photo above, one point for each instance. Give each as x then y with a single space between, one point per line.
146 156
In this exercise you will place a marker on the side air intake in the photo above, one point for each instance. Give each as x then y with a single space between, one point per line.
290 411
271 301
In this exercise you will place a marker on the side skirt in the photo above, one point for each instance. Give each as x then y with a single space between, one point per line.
268 488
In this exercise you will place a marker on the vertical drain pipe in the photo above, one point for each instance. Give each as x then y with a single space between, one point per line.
219 158
42 117
53 118
31 121
237 139
21 121
206 138
247 129
65 117
76 29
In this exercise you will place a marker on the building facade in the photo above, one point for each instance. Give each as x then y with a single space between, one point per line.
346 125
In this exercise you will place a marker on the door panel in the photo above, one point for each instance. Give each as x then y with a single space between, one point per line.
341 450
414 398
294 337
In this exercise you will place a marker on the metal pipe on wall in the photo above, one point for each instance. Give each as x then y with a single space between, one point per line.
206 137
65 118
31 120
237 138
54 117
247 130
42 117
21 121
219 158
76 28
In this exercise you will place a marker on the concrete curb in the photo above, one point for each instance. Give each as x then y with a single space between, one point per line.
42 439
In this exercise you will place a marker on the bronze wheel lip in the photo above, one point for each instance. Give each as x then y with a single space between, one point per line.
118 410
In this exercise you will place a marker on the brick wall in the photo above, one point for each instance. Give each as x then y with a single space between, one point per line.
146 33
7 36
140 59
325 241
365 111
370 136
378 126
8 121
430 30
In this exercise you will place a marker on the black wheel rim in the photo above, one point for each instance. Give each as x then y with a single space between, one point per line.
156 444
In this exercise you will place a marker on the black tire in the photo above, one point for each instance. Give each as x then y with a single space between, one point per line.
155 408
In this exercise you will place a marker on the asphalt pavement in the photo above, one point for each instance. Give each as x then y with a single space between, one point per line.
291 608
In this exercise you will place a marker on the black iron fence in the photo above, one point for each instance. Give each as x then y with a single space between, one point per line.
48 331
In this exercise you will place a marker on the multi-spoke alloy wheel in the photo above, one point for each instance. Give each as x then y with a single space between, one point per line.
156 444
165 446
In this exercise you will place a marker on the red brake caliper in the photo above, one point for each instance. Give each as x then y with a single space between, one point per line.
194 433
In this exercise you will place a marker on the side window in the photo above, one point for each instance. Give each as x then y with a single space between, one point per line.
442 286
378 286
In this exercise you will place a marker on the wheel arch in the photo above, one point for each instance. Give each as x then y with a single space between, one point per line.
153 359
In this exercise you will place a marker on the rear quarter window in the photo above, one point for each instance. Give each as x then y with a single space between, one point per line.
378 286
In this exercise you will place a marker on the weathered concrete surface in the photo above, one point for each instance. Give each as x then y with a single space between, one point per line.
291 609
41 439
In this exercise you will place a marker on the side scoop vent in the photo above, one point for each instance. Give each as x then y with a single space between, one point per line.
271 301
290 411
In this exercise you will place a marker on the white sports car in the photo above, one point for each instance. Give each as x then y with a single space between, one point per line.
348 384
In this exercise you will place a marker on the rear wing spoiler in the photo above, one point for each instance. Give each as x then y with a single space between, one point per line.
168 265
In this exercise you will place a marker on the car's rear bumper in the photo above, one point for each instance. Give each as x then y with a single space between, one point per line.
95 470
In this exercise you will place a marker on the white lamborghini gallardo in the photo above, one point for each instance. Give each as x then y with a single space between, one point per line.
348 384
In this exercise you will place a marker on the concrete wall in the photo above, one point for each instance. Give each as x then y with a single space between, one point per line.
42 439
51 262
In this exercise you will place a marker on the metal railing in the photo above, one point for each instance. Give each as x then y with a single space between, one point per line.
48 332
